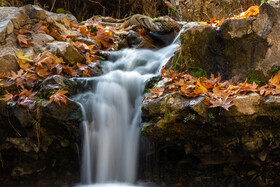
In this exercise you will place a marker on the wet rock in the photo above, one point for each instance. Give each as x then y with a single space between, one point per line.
36 145
54 83
159 25
7 85
88 42
202 11
8 63
63 19
35 12
233 143
252 142
11 18
200 49
240 48
67 51
24 144
134 40
20 171
40 40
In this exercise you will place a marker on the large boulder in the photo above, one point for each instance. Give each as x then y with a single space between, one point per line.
203 10
213 141
158 25
63 49
212 146
41 147
240 48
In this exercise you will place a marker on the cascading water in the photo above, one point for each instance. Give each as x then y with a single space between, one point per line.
112 113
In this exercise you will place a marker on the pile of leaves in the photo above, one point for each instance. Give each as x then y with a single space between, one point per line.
251 12
218 93
34 68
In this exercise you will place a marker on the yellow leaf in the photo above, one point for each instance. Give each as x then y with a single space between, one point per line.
24 58
201 86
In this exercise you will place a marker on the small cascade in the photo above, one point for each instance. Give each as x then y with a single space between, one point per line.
112 114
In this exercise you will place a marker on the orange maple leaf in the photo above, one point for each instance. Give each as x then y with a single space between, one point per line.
8 96
59 96
23 41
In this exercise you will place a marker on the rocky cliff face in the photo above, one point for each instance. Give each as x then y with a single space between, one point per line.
240 48
40 141
201 10
204 146
41 146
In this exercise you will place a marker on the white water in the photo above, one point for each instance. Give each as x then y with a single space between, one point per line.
112 113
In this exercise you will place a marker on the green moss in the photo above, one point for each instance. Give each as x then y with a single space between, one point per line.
3 4
162 125
211 116
48 93
263 1
252 77
151 83
274 70
199 72
62 11
173 11
189 117
64 143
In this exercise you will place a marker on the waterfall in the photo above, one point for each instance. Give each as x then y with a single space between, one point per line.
112 114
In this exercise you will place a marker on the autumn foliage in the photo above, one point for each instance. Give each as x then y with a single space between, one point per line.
34 68
218 93
251 12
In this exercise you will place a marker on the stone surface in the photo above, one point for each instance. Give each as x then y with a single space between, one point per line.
11 18
39 147
134 40
67 51
203 10
8 63
54 83
40 40
240 48
159 25
207 142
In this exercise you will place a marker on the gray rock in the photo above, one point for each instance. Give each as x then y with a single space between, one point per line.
252 142
35 12
67 51
24 144
7 85
55 82
63 19
88 41
202 11
40 40
240 48
11 18
8 63
134 40
160 25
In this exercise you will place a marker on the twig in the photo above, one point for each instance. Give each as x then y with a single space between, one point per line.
14 127
1 160
53 5
96 2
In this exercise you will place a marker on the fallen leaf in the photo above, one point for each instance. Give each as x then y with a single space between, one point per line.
158 91
59 96
224 102
23 41
8 97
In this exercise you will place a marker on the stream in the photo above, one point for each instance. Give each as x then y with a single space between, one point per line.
112 114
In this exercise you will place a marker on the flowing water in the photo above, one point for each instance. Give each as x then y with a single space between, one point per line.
112 115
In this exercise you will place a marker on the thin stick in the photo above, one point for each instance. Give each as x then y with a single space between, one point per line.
53 5
14 127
